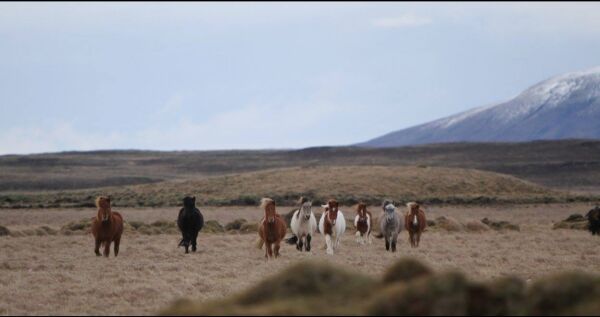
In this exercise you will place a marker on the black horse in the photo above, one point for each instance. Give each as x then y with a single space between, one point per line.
190 222
593 217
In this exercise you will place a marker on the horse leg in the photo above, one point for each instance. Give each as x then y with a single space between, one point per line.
276 247
107 248
358 236
299 243
194 241
117 243
329 244
269 250
387 242
97 247
369 240
394 240
308 238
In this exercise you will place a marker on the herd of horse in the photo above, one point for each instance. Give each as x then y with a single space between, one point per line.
107 226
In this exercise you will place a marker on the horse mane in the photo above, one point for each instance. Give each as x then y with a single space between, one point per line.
100 198
387 202
302 200
411 205
265 202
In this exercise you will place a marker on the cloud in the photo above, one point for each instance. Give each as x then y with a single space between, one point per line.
402 21
51 138
248 127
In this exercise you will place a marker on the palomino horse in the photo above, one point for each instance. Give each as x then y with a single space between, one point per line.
390 225
303 225
363 223
190 222
415 223
272 228
106 227
332 225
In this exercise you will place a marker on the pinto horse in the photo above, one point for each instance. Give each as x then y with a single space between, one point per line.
272 229
363 223
107 227
332 225
415 223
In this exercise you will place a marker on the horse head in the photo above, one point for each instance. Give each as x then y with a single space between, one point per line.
103 204
332 206
389 211
269 205
362 212
413 211
189 202
306 210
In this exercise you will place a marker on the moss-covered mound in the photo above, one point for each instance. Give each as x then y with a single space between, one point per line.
407 288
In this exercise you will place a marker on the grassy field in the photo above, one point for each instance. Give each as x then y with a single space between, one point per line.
572 165
348 184
59 274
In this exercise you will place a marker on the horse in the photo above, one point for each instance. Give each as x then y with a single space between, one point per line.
190 221
332 225
390 225
303 225
593 217
272 229
363 223
107 227
415 223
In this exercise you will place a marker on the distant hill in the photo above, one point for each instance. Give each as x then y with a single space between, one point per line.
567 164
348 184
562 107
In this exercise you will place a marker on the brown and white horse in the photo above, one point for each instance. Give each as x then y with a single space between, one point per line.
332 225
107 227
363 223
272 229
415 223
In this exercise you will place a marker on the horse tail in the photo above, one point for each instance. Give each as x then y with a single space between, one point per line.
292 240
259 243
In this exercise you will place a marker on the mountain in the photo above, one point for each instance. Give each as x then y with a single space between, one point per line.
563 107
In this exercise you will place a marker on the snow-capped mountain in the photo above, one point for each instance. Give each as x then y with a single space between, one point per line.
562 107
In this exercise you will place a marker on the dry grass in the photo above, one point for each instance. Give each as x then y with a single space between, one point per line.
349 184
61 275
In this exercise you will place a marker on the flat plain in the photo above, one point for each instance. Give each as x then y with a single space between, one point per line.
59 274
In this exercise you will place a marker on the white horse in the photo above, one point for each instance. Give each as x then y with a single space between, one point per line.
332 225
303 225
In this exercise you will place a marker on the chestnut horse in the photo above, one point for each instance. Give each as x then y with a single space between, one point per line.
415 223
272 228
363 223
106 227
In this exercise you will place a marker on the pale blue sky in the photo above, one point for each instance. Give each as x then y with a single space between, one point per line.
198 76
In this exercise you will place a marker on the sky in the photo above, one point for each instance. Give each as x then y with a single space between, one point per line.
209 76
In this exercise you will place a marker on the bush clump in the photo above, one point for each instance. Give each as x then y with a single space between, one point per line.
500 225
